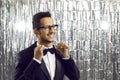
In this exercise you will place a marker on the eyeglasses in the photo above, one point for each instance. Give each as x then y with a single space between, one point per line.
48 27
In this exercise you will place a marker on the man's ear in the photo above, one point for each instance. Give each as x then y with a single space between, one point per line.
36 32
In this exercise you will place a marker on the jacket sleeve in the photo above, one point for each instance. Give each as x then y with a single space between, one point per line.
25 68
71 70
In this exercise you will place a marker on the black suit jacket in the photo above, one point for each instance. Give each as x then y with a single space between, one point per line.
29 69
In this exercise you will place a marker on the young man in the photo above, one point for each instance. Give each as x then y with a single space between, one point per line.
43 60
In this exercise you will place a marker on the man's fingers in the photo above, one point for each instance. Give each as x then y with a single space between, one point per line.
38 52
39 48
62 45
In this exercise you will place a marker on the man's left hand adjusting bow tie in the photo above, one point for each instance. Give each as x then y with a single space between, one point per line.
51 50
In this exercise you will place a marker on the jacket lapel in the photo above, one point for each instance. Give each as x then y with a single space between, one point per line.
59 69
44 69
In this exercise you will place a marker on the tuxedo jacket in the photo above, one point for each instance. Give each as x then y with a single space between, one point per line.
29 69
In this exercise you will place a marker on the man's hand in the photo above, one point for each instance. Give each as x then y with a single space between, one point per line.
63 49
38 52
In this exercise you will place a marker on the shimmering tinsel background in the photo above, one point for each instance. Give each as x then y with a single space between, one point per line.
95 50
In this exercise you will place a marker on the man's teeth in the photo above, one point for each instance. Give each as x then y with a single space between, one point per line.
51 35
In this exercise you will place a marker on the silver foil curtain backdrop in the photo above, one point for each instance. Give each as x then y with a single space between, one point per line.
90 27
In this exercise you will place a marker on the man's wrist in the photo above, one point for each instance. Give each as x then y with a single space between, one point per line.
37 60
66 58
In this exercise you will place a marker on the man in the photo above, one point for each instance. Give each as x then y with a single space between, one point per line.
43 60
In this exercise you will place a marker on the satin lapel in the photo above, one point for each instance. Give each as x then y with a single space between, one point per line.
44 69
58 67
57 70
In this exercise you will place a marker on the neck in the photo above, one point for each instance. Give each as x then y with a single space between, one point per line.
46 44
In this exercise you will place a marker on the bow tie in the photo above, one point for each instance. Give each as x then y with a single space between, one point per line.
51 50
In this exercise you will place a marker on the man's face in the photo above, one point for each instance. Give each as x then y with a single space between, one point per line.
47 33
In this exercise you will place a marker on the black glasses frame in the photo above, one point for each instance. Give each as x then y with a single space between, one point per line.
48 26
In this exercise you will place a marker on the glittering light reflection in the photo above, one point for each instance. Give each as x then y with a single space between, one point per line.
105 25
20 26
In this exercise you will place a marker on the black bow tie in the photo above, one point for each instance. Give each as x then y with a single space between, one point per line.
51 50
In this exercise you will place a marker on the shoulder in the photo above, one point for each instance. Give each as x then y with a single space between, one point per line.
27 52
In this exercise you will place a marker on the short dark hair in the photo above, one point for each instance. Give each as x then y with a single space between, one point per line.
37 17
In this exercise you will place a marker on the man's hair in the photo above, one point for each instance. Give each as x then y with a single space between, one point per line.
37 17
